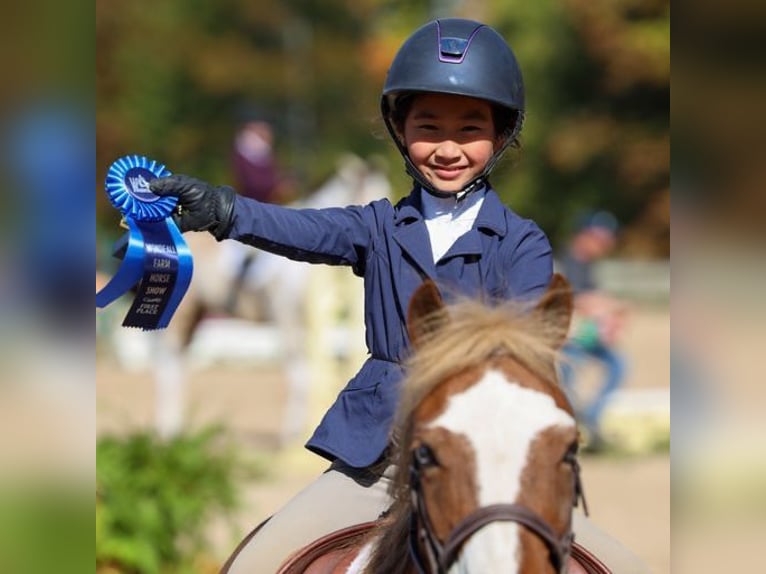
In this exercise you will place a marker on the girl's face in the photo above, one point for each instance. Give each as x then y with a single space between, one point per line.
449 138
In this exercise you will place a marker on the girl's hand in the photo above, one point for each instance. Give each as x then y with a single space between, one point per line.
201 206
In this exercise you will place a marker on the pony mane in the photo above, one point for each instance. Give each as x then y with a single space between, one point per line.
472 334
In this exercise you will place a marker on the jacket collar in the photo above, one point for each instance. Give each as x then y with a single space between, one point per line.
409 209
491 216
412 236
489 221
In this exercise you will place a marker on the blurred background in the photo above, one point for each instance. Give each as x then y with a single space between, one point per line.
174 81
197 447
209 88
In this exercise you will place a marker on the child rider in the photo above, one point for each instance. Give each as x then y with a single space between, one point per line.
453 102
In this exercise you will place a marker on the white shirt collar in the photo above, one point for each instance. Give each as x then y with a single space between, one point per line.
447 219
434 207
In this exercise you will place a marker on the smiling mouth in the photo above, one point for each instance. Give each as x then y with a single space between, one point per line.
448 172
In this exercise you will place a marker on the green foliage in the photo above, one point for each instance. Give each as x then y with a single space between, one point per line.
597 74
156 498
171 76
45 527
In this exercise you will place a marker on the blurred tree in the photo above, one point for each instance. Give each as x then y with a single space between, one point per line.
171 75
597 135
719 144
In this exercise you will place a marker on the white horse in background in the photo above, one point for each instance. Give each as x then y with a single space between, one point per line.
239 281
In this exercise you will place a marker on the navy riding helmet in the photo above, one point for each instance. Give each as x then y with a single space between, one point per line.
462 57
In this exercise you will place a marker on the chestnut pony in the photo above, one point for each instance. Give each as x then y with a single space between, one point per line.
485 450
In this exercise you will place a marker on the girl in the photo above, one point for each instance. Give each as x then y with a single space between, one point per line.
453 102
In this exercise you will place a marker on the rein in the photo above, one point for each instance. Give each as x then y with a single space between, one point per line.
440 557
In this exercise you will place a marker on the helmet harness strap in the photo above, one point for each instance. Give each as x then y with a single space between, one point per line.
475 184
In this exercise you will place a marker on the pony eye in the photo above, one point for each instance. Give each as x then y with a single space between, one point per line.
424 456
570 456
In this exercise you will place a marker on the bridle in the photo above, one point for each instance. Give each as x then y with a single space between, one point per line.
440 556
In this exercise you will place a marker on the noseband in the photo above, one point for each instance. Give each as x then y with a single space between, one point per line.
440 557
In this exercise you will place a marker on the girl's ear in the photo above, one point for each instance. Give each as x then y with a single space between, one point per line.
398 125
499 142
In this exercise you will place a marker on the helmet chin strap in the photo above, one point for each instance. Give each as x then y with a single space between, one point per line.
475 184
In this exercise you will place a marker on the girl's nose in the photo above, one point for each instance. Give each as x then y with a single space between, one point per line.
447 151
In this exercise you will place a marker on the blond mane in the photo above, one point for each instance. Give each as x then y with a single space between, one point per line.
472 334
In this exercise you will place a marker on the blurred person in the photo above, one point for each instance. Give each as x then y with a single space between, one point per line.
600 320
257 175
47 384
50 151
452 109
256 170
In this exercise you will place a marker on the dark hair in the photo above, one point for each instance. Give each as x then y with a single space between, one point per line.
506 123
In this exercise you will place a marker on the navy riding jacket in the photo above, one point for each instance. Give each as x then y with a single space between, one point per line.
503 256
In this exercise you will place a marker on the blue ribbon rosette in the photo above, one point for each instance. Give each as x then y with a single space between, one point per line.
156 257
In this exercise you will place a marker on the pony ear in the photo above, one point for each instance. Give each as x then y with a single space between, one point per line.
426 312
556 307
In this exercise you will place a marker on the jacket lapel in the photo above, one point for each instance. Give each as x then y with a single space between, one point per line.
411 235
489 221
416 261
491 216
466 245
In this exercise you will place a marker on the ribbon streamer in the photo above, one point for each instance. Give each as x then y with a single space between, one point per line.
156 258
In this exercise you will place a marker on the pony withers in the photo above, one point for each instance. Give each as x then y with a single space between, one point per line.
485 447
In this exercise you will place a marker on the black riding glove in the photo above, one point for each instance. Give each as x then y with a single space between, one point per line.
201 206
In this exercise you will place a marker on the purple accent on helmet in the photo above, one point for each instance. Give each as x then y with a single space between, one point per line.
454 59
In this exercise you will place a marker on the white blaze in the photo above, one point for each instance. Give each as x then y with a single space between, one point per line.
500 418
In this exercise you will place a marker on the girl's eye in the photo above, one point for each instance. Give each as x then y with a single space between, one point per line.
475 128
427 127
